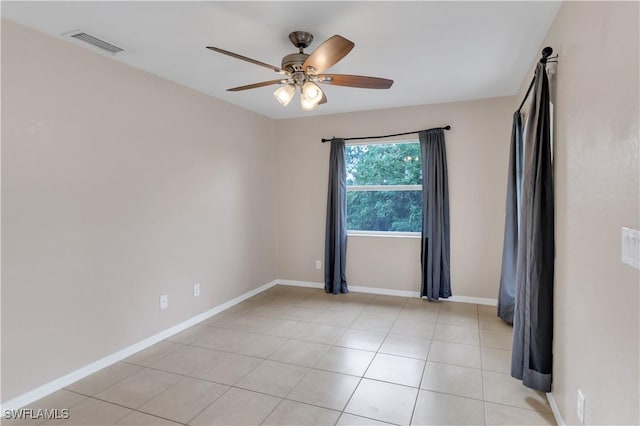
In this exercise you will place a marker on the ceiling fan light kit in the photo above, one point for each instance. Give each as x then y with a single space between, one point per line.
303 71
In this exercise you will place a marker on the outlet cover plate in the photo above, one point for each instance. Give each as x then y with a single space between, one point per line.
164 302
196 289
631 247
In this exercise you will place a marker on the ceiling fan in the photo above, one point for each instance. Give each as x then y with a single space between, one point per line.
304 71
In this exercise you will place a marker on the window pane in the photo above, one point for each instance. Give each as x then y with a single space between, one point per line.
383 164
399 211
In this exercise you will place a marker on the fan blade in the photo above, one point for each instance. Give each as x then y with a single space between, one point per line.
327 54
244 58
355 81
255 85
323 100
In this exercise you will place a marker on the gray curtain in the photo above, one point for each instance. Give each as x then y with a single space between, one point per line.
436 281
507 294
531 358
335 244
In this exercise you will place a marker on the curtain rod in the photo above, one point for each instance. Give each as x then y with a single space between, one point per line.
447 127
546 55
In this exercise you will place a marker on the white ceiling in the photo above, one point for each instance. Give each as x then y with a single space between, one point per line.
435 51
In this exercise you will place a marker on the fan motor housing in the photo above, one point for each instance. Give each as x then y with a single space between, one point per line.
294 61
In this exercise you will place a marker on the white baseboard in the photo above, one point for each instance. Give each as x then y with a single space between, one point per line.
555 409
61 382
392 292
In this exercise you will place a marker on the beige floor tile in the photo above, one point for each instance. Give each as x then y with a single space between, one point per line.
457 334
139 388
493 323
251 344
422 303
496 339
153 353
184 360
383 299
324 389
503 415
301 314
453 379
455 353
237 407
337 318
102 379
265 325
487 310
185 400
504 389
220 319
346 304
420 313
458 308
223 340
271 310
294 413
371 322
396 369
383 311
383 401
137 418
190 334
459 319
434 408
320 333
60 399
260 346
405 346
496 360
300 353
410 328
351 420
359 297
93 412
226 368
361 339
345 360
273 378
421 310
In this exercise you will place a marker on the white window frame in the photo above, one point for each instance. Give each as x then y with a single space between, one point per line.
389 234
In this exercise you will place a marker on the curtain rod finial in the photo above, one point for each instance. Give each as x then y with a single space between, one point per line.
447 127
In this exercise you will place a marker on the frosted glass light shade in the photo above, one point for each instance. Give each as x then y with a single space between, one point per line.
312 91
284 94
307 104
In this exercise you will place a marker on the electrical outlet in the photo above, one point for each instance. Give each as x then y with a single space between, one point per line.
580 407
196 289
631 247
164 302
318 264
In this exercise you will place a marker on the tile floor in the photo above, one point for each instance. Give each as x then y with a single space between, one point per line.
297 356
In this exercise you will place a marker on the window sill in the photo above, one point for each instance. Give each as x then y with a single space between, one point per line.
411 235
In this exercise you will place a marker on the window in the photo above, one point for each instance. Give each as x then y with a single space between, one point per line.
384 187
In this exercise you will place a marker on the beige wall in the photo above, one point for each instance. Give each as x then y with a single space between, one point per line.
117 187
477 156
597 193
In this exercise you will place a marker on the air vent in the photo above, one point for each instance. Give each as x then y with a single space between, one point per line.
101 44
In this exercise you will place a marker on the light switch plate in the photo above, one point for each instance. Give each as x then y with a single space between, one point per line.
631 247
